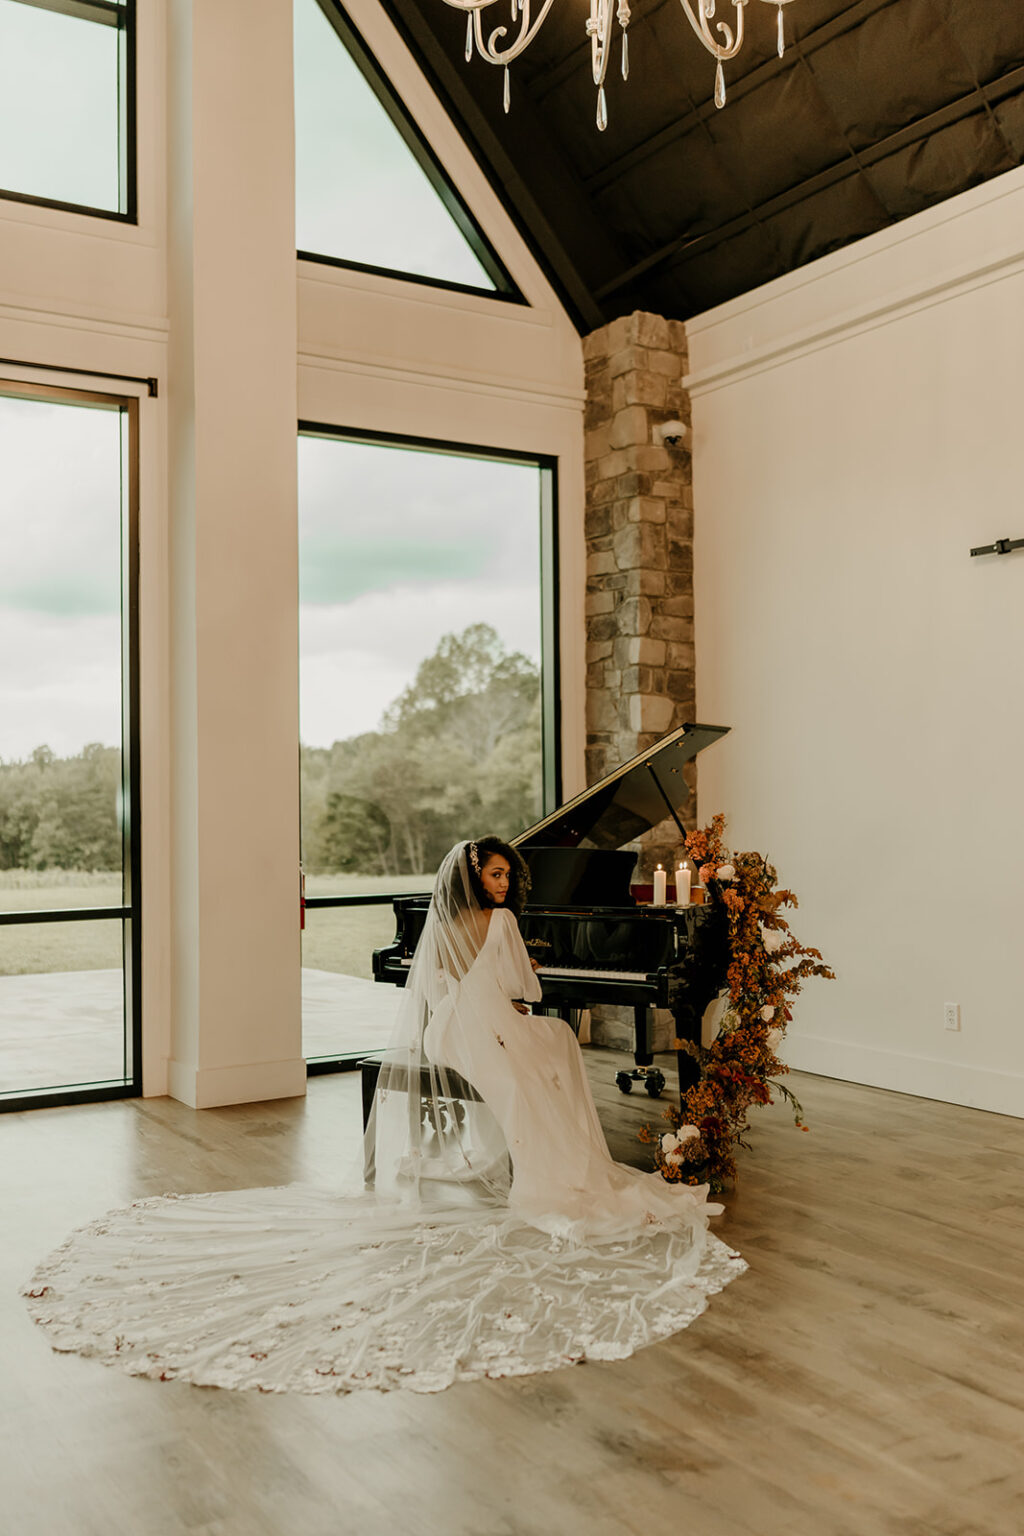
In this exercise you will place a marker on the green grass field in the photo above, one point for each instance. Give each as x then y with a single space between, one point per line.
336 939
40 948
343 938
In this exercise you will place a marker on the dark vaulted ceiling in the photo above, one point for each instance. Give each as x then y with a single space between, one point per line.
879 109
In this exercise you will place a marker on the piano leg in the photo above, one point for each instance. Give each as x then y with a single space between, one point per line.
644 1072
687 1028
642 1035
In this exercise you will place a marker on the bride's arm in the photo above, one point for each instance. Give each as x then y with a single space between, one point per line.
518 976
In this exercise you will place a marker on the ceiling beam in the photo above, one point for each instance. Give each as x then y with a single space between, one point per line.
684 247
855 17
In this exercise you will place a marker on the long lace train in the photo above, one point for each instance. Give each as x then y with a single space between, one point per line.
300 1289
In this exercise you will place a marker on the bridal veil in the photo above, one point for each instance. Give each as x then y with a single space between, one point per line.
435 1273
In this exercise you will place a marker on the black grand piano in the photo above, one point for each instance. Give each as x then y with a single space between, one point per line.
593 942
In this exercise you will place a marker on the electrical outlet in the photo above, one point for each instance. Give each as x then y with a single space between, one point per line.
951 1015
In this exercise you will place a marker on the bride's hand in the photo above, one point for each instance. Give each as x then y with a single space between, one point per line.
535 963
520 1008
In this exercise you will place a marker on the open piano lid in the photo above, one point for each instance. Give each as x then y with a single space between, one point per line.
630 801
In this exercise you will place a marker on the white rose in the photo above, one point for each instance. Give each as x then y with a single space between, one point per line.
773 939
726 872
687 1133
767 1013
669 1142
730 1021
774 1039
674 1157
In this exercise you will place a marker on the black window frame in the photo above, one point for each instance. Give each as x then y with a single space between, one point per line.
550 659
122 16
505 289
129 912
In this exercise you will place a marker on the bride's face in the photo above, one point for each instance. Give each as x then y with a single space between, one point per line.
494 878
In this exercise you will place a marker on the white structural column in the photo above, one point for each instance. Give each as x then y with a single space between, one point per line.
236 1010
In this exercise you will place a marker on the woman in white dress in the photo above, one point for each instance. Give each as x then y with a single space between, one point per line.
529 1070
499 1237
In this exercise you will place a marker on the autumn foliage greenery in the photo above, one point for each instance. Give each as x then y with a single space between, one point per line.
61 812
740 1068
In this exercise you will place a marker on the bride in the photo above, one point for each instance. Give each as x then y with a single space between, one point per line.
497 1237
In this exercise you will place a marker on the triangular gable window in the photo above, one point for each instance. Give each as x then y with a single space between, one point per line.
369 191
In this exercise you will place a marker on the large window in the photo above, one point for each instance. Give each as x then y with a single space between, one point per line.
67 104
369 191
427 674
69 889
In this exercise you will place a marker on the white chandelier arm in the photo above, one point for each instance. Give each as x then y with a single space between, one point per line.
731 42
492 47
471 9
599 30
473 5
722 39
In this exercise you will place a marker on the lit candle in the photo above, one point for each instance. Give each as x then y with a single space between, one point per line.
660 886
682 885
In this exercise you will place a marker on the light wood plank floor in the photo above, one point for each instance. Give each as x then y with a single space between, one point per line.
864 1379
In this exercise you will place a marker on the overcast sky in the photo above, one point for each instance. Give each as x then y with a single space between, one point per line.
60 574
397 548
75 160
359 193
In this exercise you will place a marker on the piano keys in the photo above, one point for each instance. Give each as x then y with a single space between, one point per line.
593 942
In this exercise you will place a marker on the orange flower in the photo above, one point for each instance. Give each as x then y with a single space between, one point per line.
739 1067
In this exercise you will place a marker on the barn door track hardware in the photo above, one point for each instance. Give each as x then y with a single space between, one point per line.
1000 547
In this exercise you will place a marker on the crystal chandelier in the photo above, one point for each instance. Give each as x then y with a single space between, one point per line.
722 40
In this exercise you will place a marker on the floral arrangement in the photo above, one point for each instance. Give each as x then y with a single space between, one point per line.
767 968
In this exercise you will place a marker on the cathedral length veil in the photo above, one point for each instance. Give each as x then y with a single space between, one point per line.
442 1268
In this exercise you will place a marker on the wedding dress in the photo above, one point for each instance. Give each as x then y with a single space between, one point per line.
499 1237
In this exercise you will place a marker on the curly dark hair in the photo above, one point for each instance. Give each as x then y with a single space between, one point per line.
518 874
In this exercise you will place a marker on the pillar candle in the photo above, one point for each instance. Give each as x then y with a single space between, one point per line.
660 886
682 885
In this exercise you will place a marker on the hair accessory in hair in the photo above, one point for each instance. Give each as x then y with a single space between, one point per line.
473 855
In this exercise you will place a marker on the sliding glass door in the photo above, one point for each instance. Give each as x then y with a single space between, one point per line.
427 674
69 852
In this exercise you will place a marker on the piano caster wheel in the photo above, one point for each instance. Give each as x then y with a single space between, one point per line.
652 1079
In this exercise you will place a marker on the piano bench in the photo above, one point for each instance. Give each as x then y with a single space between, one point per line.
459 1090
369 1069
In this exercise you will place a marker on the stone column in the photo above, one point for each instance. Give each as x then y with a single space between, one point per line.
639 533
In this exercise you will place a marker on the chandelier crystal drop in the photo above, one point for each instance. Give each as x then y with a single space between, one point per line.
502 43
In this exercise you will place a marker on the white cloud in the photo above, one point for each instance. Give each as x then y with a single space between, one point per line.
398 549
60 574
58 73
60 682
357 657
60 508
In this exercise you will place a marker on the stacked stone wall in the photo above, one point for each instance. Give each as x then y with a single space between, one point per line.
639 533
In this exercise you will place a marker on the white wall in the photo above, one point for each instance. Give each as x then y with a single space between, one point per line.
857 429
373 353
